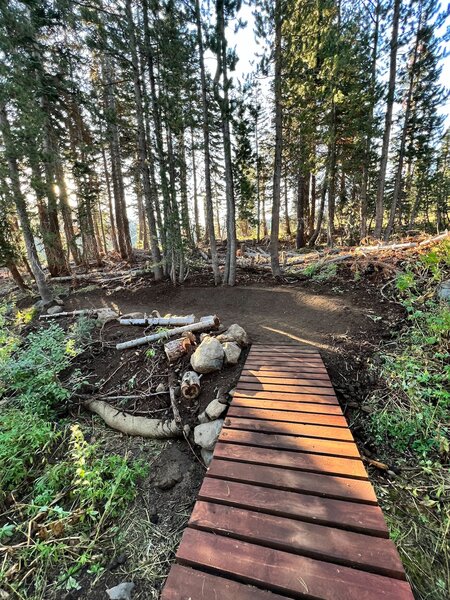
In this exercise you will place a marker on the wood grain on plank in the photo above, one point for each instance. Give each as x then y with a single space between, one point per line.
280 427
283 572
260 400
377 555
290 442
185 583
362 518
253 411
287 380
328 486
259 386
315 463
320 374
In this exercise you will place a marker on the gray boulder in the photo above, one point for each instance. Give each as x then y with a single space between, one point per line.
122 591
207 456
206 434
215 409
208 357
232 353
234 333
443 291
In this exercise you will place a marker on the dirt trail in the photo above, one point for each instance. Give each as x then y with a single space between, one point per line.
270 314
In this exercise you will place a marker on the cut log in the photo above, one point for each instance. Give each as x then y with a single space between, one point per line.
175 349
205 324
190 385
132 425
159 321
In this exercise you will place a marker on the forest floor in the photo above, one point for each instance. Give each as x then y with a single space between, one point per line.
357 327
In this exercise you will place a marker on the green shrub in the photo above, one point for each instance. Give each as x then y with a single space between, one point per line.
25 440
31 372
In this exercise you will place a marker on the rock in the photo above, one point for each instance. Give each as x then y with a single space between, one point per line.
203 417
215 409
55 310
118 560
206 456
206 434
443 291
161 388
208 357
104 315
234 333
168 477
122 591
4 595
232 353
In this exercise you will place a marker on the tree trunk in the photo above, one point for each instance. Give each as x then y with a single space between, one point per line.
123 229
366 165
302 200
195 185
15 273
207 151
185 220
401 153
312 212
113 234
275 228
229 276
332 179
320 214
286 206
66 212
20 203
379 206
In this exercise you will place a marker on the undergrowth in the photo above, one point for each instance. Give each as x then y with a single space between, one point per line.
409 423
58 492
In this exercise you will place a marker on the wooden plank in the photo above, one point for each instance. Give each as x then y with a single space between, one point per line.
286 380
361 518
280 357
185 583
279 374
264 414
285 349
376 555
282 572
283 389
315 463
280 427
328 486
309 405
289 442
281 397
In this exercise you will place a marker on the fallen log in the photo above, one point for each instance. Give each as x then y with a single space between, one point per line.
73 313
205 324
175 349
132 425
159 321
190 385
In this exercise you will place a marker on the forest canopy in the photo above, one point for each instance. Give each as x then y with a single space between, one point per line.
124 126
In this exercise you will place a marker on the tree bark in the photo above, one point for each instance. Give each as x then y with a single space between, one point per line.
66 212
379 206
123 229
275 228
113 233
20 203
401 153
195 185
229 277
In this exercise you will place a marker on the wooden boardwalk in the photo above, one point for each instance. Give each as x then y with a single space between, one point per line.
286 509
